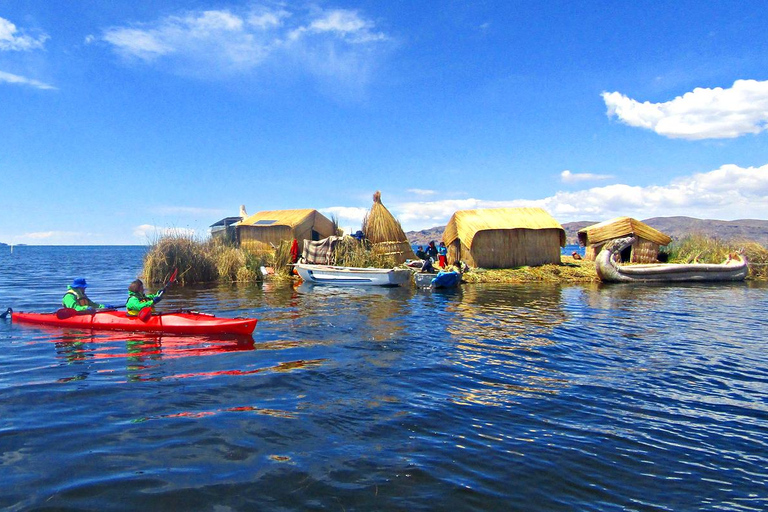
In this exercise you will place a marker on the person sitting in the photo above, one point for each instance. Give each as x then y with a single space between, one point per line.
76 299
421 253
138 300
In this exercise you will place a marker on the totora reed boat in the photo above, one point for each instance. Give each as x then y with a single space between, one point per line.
733 269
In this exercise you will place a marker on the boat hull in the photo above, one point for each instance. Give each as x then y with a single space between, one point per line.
437 279
352 276
171 323
734 269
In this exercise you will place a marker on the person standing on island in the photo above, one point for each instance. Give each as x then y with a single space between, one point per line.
420 253
432 250
138 300
76 299
442 254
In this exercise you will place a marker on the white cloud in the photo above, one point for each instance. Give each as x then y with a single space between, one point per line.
728 193
20 80
346 215
12 39
701 114
148 232
335 43
571 177
421 192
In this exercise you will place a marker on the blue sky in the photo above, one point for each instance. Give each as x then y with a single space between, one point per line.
121 120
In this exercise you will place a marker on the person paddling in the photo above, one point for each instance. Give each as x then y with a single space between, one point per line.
76 299
138 300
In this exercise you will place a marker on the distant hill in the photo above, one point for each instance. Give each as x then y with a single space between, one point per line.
675 227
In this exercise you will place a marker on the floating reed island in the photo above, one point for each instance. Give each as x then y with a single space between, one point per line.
499 245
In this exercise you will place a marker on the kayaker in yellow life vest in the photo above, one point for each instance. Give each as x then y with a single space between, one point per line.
138 300
76 298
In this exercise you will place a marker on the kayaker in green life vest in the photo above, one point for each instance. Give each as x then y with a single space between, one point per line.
138 300
76 299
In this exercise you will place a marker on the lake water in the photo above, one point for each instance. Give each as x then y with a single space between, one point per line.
547 397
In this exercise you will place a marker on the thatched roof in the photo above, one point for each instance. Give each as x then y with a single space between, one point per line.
289 218
465 224
379 225
620 227
383 230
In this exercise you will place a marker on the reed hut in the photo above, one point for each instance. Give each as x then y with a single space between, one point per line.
644 250
384 232
504 237
263 231
224 229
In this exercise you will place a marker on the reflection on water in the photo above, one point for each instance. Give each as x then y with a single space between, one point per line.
488 397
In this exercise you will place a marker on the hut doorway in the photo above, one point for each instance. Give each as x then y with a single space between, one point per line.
626 255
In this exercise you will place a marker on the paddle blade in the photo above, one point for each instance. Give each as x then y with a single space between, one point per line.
173 276
5 315
145 314
65 313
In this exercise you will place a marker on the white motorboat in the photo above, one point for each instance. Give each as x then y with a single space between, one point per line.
352 276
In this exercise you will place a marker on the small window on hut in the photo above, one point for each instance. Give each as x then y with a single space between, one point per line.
315 236
264 222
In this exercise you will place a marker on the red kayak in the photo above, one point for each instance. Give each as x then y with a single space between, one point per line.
189 322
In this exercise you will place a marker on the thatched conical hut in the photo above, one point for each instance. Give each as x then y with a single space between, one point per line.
644 250
384 232
504 237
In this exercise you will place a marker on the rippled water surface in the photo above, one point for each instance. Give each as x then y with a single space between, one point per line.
487 398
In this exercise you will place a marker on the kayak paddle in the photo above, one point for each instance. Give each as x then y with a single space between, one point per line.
146 312
5 315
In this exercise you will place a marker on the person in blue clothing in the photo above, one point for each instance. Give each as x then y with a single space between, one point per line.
442 254
76 299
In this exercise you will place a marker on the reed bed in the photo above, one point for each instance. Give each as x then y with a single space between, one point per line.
704 249
350 252
569 271
200 261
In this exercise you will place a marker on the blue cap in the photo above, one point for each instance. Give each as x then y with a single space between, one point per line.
79 283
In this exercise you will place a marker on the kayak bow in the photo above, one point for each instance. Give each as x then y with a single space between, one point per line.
186 322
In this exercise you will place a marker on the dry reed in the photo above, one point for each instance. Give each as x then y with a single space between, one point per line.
381 227
704 249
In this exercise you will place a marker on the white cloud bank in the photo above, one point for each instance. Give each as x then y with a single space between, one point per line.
20 80
335 43
12 39
576 177
728 193
701 114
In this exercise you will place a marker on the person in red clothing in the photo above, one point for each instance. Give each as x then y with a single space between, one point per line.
442 255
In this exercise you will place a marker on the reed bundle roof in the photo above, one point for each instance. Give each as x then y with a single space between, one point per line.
384 232
465 224
620 227
286 218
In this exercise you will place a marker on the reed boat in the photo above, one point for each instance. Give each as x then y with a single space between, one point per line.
735 268
352 276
